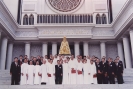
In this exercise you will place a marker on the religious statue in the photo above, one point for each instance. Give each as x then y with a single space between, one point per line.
64 48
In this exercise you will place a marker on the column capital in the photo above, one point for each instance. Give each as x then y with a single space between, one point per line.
103 41
76 41
85 41
119 42
54 42
11 42
27 42
125 38
131 31
44 42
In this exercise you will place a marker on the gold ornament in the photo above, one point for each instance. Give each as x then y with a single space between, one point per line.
64 48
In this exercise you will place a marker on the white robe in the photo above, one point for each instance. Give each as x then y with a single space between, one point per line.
51 70
86 71
79 76
44 73
92 71
24 67
37 79
65 74
72 76
30 72
55 61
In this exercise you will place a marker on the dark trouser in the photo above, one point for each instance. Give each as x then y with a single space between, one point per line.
15 80
43 83
111 79
58 80
99 78
119 79
104 79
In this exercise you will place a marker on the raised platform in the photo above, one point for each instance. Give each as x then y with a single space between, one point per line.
109 86
5 78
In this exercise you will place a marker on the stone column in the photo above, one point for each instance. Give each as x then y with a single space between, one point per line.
131 38
103 48
86 48
54 48
120 52
3 53
76 48
44 48
127 52
9 55
27 49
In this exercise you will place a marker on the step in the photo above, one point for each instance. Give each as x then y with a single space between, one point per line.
108 86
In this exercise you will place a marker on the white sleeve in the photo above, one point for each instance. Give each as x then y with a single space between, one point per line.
41 70
22 68
54 69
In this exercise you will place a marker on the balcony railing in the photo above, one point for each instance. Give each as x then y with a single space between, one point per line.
74 18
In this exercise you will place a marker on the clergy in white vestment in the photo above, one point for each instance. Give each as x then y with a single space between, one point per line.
92 73
30 73
37 79
24 67
51 72
54 60
79 71
72 71
86 72
65 72
43 72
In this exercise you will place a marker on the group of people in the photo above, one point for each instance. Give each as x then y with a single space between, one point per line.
60 69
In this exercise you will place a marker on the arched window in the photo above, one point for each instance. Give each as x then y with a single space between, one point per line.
104 19
31 20
98 19
25 20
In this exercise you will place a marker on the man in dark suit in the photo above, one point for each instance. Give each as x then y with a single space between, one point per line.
15 72
111 71
104 66
34 61
21 60
121 65
119 71
58 73
99 71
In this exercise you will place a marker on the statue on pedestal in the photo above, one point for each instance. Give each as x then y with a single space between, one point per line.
64 48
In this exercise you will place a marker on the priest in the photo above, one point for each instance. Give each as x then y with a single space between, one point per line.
86 72
72 71
37 79
30 73
79 72
24 76
44 79
65 72
92 73
51 72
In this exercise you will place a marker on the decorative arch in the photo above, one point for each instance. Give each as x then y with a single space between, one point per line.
31 19
25 19
98 19
104 19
